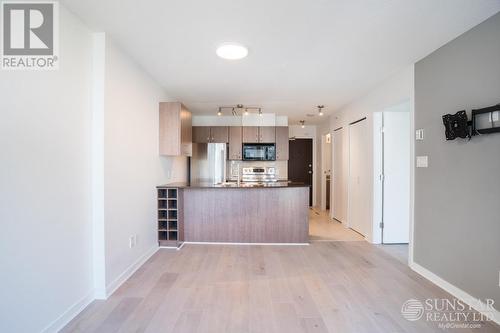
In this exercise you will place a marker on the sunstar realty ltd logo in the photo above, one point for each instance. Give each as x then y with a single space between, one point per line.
450 313
30 35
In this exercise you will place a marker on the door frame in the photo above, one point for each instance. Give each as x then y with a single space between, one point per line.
296 132
313 185
378 169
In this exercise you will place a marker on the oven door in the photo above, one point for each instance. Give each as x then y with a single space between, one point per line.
259 152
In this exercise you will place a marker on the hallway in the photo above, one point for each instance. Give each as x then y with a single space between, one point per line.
323 228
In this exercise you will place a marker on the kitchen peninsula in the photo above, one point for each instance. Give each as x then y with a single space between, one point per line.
232 213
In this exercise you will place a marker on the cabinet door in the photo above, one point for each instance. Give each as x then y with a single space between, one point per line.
235 142
219 134
174 130
267 134
282 143
250 134
201 134
186 132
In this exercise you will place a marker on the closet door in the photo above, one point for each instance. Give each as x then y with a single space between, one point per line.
339 176
397 164
359 172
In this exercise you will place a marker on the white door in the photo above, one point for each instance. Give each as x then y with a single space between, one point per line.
396 170
326 166
359 178
339 176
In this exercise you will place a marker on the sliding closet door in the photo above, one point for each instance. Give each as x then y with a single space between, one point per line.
359 172
339 175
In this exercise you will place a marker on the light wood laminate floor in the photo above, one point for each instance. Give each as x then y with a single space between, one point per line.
324 287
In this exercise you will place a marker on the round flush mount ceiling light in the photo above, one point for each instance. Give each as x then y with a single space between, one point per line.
232 51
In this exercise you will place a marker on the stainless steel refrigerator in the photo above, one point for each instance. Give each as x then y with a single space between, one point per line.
208 163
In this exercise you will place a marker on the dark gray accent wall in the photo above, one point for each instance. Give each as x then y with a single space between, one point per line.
457 198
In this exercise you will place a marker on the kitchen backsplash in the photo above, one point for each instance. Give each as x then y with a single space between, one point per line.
281 167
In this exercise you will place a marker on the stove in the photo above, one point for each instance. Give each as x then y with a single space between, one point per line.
258 174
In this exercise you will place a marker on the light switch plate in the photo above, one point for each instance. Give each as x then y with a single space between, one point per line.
419 134
495 115
422 161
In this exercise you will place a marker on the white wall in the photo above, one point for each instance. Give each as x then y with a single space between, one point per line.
45 136
267 119
76 141
393 91
132 166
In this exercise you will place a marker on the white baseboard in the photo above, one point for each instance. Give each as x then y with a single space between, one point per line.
69 314
271 244
113 286
455 291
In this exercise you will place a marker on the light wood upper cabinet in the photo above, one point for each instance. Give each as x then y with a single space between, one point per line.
219 134
175 129
235 142
282 143
206 134
201 134
250 134
267 134
255 134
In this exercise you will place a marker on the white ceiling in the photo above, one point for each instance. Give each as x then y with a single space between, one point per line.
301 53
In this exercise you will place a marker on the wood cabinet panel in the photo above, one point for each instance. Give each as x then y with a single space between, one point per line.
186 132
250 134
201 134
175 129
219 134
265 215
235 142
282 143
267 134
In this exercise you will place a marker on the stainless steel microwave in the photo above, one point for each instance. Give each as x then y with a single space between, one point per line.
259 152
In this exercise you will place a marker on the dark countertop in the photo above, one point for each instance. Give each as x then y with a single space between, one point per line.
278 184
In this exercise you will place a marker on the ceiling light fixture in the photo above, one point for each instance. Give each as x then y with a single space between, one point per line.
232 51
302 123
239 109
320 109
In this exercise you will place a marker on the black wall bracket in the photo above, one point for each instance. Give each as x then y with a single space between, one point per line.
484 121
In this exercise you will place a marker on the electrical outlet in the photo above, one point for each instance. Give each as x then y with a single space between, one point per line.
422 161
131 242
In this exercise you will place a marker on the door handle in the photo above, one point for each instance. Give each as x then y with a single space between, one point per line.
310 172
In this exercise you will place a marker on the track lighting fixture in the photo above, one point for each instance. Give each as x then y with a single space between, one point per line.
240 109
